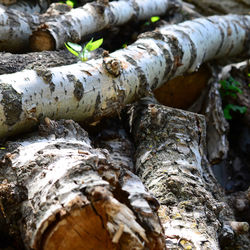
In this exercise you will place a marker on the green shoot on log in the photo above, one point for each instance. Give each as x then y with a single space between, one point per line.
80 52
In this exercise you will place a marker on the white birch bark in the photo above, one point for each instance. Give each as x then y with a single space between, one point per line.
15 29
69 195
90 90
93 17
30 6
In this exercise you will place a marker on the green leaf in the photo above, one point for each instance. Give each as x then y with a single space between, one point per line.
226 112
73 48
70 3
90 46
154 19
235 108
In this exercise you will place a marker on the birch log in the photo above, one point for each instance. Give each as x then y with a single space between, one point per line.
63 194
94 17
169 152
16 26
15 29
88 91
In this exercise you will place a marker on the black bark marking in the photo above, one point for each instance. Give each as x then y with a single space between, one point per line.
47 77
151 34
145 89
78 90
148 48
12 104
193 48
136 10
168 61
78 87
97 105
222 40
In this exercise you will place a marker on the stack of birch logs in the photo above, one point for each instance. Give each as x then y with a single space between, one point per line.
61 190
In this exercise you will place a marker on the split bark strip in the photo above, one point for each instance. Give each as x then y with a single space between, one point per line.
68 195
93 17
97 88
169 152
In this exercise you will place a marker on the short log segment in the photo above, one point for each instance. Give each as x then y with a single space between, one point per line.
68 195
94 17
16 28
170 147
102 87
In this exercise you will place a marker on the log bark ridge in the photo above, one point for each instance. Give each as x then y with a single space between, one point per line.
93 17
69 195
170 148
88 91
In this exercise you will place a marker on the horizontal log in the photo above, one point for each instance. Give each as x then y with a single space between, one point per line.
88 91
93 17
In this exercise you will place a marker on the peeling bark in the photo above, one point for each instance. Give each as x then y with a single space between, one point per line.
63 194
88 91
93 17
170 148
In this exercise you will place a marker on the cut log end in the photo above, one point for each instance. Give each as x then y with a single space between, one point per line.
41 40
81 229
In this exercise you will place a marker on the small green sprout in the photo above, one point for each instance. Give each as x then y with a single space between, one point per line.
80 52
235 108
230 87
69 3
154 19
124 45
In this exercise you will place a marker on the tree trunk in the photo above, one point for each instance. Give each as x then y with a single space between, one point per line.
97 88
93 17
63 194
169 160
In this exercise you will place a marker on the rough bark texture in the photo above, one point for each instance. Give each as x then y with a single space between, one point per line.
63 194
170 147
30 6
92 17
11 63
101 87
211 7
